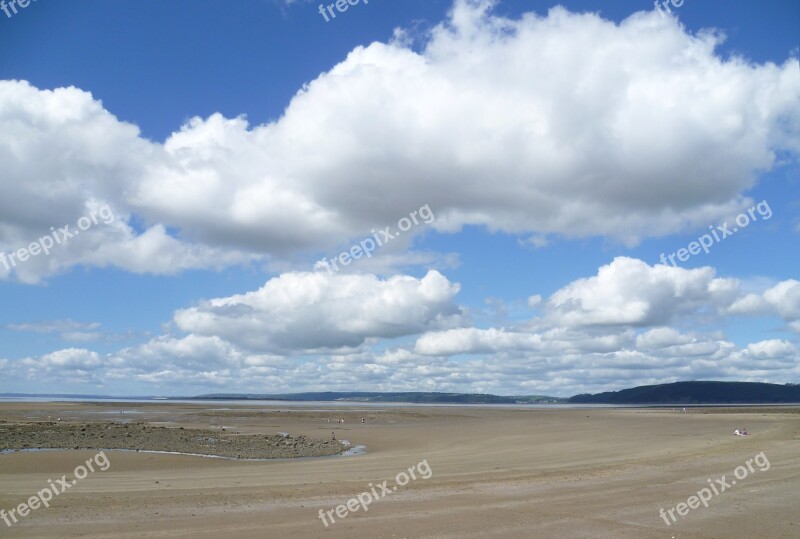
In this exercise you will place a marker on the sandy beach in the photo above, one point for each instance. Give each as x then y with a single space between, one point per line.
494 472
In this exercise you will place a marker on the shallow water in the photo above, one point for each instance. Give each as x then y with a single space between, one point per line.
353 451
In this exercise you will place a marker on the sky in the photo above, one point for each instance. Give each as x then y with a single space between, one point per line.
508 197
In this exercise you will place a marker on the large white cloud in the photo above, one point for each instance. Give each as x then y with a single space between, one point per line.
71 365
561 109
630 292
65 158
308 311
783 300
565 123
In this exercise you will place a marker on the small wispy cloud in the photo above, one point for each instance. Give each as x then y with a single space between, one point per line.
538 241
71 331
55 326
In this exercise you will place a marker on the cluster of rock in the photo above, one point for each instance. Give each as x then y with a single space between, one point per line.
145 437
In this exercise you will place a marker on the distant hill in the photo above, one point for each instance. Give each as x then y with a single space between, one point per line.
410 397
697 393
675 393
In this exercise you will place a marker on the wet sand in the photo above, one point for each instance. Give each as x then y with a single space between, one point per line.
496 472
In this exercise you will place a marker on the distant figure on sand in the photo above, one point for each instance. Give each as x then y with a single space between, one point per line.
363 420
333 436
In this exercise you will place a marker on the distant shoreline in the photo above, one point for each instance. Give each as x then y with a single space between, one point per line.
339 404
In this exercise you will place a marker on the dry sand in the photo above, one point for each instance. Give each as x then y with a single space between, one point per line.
497 472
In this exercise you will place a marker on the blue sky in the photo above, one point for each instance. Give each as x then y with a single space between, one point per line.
561 151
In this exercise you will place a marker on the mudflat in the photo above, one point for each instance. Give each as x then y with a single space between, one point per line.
494 472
